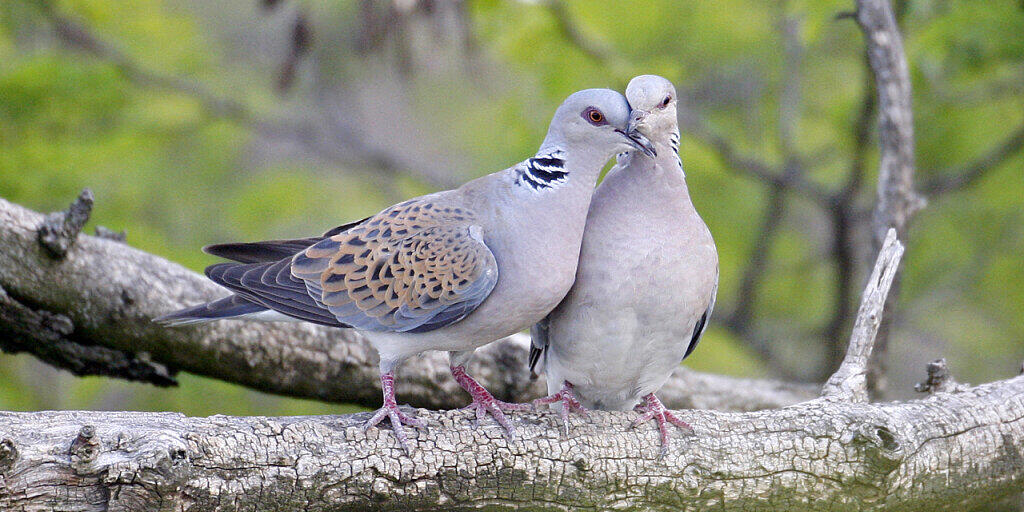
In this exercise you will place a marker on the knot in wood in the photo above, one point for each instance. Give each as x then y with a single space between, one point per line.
85 448
881 447
8 454
939 380
60 229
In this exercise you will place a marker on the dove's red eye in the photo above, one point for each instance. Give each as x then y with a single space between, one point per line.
666 101
593 115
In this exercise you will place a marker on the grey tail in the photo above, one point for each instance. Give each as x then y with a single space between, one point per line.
227 307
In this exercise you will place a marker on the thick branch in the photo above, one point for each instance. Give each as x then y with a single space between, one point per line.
945 452
109 291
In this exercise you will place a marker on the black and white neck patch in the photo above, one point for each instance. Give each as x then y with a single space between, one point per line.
543 171
673 140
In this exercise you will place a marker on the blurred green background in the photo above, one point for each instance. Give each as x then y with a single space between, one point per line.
198 122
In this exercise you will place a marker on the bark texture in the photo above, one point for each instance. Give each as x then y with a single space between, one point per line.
88 310
945 452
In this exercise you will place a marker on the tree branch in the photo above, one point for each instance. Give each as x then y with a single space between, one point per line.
838 452
108 292
945 452
955 180
332 139
896 199
845 224
850 380
590 47
740 319
733 160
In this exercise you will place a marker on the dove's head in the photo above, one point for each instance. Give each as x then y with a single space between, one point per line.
653 102
597 121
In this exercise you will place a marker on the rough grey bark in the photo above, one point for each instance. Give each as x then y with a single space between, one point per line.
945 452
94 304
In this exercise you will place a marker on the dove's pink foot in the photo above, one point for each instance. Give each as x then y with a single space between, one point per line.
652 408
569 403
390 411
484 402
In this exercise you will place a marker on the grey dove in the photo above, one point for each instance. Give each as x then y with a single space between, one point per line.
646 281
452 270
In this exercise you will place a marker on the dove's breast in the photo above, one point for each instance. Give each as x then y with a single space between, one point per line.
648 270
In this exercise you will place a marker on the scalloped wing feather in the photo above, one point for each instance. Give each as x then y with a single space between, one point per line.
415 267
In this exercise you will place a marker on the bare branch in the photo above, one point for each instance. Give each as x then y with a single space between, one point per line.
945 452
849 382
896 199
108 292
846 220
337 143
590 47
51 337
955 180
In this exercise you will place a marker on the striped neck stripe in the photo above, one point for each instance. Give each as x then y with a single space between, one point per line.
543 171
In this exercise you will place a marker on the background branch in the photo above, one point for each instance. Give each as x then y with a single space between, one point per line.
331 138
845 220
955 180
896 199
108 292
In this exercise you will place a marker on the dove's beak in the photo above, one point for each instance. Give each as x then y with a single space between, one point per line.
638 141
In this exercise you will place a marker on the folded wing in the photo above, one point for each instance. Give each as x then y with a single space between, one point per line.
415 267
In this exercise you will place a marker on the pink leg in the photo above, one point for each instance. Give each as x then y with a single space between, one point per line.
484 402
390 411
569 403
652 408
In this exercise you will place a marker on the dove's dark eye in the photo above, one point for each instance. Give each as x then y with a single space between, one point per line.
594 115
666 101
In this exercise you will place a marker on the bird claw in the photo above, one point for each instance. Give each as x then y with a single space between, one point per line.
652 408
483 405
569 404
396 417
484 402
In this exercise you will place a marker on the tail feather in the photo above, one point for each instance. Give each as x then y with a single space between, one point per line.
271 250
260 252
227 307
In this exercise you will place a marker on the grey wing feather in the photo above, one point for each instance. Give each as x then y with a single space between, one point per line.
231 306
272 285
538 344
702 324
